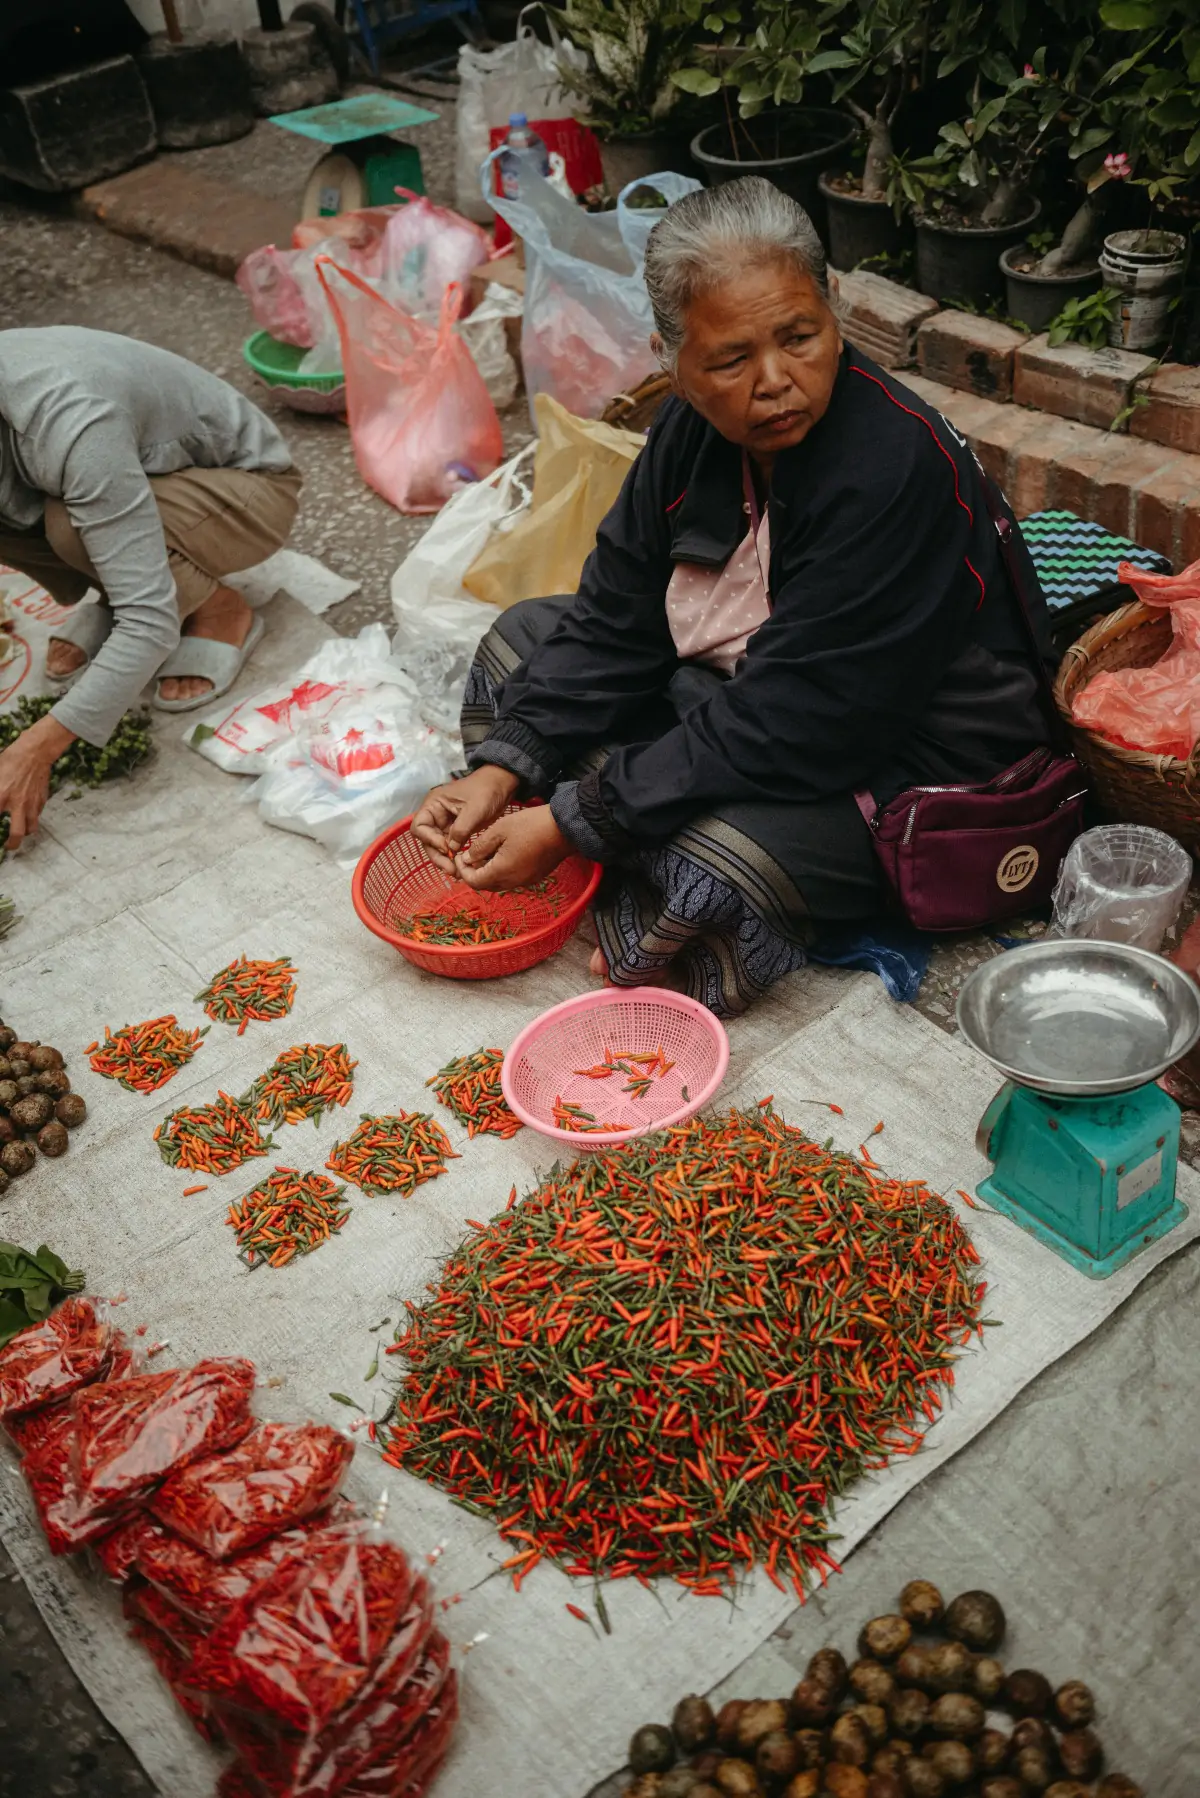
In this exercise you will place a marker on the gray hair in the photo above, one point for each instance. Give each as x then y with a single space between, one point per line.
713 233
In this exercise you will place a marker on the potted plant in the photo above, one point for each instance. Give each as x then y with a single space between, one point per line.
626 93
769 132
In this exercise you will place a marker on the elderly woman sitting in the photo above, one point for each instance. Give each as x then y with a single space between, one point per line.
797 595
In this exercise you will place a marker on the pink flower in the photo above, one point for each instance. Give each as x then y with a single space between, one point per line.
1030 72
1118 165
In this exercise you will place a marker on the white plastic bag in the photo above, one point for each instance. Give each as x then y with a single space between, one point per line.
587 326
432 572
486 336
522 76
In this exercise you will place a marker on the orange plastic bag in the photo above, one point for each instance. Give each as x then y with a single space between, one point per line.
421 420
1155 708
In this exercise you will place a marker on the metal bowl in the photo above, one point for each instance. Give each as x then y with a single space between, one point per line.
1079 1017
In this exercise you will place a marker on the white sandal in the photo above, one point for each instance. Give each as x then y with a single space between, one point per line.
87 626
203 658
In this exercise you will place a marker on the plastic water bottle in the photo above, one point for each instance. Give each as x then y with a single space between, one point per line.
523 150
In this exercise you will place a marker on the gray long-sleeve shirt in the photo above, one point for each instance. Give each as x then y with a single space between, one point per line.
85 417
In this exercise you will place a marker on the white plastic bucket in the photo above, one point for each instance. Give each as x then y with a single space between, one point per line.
1146 268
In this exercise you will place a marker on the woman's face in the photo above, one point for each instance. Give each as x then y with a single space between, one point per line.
759 357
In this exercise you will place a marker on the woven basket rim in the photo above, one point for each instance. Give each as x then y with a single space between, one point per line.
1073 676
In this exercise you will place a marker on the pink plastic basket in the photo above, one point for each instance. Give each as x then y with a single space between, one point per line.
540 1068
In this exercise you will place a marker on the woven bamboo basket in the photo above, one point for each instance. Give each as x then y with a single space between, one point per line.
636 411
1133 786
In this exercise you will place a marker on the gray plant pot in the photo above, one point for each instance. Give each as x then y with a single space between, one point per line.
1038 299
632 158
962 262
810 139
288 69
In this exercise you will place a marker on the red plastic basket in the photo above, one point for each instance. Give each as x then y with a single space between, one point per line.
395 879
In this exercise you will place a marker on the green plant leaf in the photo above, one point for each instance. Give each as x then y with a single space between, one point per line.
1091 139
696 81
13 1317
830 59
954 134
1192 154
1175 113
1131 15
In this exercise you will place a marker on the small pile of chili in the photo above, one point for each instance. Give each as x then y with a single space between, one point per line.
639 1070
569 1116
286 1214
210 1139
143 1057
465 927
304 1082
393 1154
469 1088
672 1357
249 991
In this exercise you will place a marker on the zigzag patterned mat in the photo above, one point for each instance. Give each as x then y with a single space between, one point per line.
1074 557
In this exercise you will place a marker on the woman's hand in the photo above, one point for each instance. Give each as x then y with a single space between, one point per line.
516 851
25 775
450 815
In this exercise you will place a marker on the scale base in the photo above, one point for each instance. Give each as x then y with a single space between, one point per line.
1087 1264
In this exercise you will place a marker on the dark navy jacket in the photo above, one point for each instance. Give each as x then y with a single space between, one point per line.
894 651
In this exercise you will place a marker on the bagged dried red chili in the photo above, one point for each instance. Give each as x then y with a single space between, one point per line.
117 1551
208 1590
305 1642
409 1770
276 1476
131 1435
389 1706
47 1474
51 1359
173 1662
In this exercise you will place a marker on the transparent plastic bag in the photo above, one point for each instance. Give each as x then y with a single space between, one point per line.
586 333
207 1590
118 1550
1156 708
306 794
273 1479
523 75
1122 883
425 250
52 1359
421 422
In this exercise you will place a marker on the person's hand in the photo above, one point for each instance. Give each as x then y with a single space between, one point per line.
25 775
516 851
449 815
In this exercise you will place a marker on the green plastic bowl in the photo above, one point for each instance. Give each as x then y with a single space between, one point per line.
278 366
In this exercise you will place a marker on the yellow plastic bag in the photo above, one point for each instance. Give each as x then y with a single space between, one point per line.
577 473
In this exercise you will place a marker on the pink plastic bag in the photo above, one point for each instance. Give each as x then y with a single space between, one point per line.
267 277
421 421
1156 708
425 250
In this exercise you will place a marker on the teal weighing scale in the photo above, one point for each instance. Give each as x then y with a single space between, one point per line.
366 163
1084 1145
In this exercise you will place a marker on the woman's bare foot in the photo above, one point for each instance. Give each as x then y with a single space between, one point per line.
223 618
672 977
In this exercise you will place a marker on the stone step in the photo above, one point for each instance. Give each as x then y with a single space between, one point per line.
1144 491
207 222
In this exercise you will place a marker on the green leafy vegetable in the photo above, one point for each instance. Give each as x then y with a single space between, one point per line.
31 1284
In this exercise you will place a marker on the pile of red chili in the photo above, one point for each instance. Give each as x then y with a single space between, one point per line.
469 1087
247 991
671 1357
286 1214
144 1057
210 1139
287 1626
393 1154
304 1082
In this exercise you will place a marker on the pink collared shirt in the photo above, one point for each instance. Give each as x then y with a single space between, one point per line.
714 612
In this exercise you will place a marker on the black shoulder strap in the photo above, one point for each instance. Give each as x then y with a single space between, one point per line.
1016 580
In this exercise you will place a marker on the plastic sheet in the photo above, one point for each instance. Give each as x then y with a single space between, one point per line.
56 1357
117 1551
1122 883
304 1644
129 1436
274 1478
1155 708
421 422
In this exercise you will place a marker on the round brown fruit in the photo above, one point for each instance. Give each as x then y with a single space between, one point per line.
957 1714
20 1067
804 1785
22 1048
55 1081
52 1139
27 1084
845 1781
761 1717
41 1056
987 1678
738 1778
7 1038
849 1741
707 1762
1074 1706
1026 1693
872 1682
1080 1752
1035 1767
10 1092
885 1785
812 1705
1002 1786
680 1782
8 1130
651 1749
891 1757
70 1110
912 1669
921 1604
648 1786
728 1718
693 1723
874 1720
922 1779
991 1751
1119 1785
17 1158
950 1667
828 1668
977 1619
705 1789
909 1711
811 1746
777 1756
1031 1732
883 1638
1068 1788
32 1112
5 1068
953 1760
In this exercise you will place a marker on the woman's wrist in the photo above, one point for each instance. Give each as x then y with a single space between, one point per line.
47 739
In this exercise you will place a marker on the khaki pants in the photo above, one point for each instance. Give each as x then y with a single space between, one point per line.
216 521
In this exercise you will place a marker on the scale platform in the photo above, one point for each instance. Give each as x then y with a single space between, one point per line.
365 164
1085 1145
